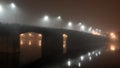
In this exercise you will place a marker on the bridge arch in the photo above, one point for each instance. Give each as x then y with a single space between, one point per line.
30 46
31 38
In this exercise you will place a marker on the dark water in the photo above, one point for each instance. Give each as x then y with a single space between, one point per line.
31 56
9 60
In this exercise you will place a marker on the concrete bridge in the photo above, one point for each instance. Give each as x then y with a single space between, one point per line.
51 43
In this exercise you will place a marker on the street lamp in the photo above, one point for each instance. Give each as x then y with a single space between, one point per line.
112 48
59 17
13 5
69 24
46 18
113 36
1 9
90 29
82 27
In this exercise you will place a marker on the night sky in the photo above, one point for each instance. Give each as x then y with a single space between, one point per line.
102 14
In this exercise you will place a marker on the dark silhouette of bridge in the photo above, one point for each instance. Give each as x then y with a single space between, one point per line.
52 39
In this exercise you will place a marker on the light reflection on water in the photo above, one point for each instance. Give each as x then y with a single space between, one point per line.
32 50
25 57
112 47
14 60
84 58
30 53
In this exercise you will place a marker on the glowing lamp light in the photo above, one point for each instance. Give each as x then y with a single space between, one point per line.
112 35
64 45
99 52
82 58
95 32
30 34
90 29
65 36
96 54
29 42
22 35
83 27
90 58
39 43
40 35
69 23
46 18
13 5
1 9
79 64
93 52
112 48
59 17
69 63
21 42
89 53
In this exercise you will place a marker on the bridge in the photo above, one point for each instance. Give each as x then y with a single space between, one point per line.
52 40
45 43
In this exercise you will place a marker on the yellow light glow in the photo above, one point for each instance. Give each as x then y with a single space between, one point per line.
64 40
30 42
65 43
112 35
21 42
40 35
30 34
65 36
95 33
112 48
22 35
39 43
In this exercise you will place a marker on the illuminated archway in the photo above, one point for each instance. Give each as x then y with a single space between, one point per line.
30 46
31 38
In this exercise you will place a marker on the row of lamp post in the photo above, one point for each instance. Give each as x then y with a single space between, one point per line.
69 24
80 25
